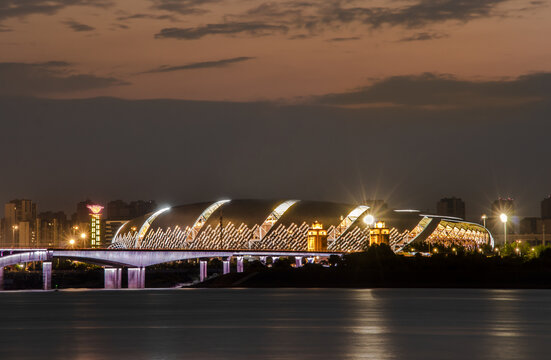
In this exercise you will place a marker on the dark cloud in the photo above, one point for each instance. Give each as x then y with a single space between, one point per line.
22 8
335 14
229 28
146 16
421 36
441 91
339 39
300 37
201 65
421 13
17 79
120 26
78 27
183 7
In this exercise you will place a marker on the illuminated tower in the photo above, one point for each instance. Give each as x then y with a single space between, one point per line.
379 234
95 225
317 237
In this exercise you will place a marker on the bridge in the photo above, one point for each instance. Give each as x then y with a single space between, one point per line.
136 260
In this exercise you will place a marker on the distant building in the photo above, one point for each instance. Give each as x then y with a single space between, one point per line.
95 225
505 206
19 223
546 208
82 215
52 229
451 207
118 212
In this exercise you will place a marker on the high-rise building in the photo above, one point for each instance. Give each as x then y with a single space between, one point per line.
546 208
451 207
19 223
52 229
95 225
118 212
503 206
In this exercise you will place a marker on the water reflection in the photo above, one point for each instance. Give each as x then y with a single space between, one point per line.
277 324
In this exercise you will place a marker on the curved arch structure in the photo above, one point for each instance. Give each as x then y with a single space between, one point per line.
347 222
202 219
147 224
271 225
274 216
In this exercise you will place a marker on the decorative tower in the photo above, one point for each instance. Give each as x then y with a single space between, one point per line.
317 237
379 234
95 225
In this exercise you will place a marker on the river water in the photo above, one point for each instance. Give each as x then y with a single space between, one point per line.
276 324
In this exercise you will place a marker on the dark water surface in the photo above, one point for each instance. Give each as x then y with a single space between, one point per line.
276 324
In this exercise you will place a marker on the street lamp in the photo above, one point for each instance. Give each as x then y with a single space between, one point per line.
83 237
503 218
13 228
72 243
484 217
369 220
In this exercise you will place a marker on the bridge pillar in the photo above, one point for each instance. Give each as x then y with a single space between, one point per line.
298 261
203 270
136 278
274 259
1 278
226 266
47 275
240 264
112 278
263 260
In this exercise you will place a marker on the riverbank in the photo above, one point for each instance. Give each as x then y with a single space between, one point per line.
380 268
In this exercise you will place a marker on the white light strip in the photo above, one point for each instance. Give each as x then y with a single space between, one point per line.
147 224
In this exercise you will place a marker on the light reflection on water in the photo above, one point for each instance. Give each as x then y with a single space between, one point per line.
277 324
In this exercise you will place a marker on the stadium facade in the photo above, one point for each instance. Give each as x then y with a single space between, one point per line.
285 225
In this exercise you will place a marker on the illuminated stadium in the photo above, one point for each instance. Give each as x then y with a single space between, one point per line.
287 225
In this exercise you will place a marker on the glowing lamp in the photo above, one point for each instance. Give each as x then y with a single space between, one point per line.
369 219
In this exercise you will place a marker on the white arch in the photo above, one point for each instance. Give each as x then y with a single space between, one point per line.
146 225
202 219
274 216
118 231
345 224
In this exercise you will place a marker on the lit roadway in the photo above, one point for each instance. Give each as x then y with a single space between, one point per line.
136 260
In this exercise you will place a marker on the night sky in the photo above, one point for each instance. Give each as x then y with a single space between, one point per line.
196 100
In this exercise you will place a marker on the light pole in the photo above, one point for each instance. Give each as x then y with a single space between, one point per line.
83 237
484 217
369 220
13 228
503 218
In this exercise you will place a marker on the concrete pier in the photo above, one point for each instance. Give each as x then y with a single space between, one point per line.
203 270
1 278
240 264
226 266
47 275
298 261
112 278
136 278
